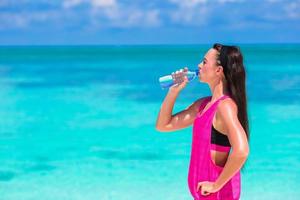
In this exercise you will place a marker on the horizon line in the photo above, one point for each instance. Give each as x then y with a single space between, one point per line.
154 44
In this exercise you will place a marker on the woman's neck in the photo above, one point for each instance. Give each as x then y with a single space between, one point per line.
218 89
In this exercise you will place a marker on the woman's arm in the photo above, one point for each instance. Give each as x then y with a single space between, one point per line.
167 122
165 113
227 111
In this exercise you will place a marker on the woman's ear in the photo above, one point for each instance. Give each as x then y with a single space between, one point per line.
219 69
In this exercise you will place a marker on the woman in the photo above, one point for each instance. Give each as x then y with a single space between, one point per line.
220 124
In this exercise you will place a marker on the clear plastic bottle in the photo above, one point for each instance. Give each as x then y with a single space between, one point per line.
168 81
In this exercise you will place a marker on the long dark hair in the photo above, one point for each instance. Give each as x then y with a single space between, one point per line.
231 59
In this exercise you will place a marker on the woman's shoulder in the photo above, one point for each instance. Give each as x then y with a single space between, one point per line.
201 101
227 106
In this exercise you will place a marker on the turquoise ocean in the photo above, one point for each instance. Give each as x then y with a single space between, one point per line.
78 122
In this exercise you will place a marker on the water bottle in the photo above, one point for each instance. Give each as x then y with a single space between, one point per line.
168 81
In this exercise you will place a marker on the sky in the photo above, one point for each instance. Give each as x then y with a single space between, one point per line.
117 22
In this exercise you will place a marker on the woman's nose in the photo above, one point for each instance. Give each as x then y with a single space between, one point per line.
200 65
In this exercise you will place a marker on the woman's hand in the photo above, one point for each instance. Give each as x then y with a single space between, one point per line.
180 80
207 187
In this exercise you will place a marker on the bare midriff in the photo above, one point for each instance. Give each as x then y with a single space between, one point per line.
219 158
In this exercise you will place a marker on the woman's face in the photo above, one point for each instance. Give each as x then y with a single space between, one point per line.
209 70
